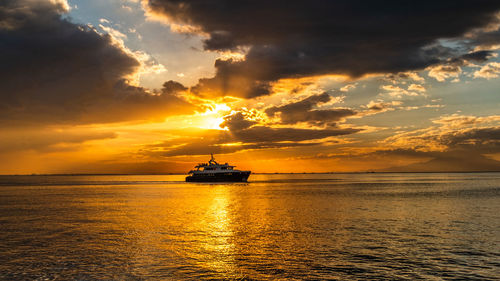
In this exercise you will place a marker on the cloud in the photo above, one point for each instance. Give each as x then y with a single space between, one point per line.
452 68
416 87
460 121
236 122
199 148
394 77
476 56
48 139
486 37
486 140
308 38
457 145
379 106
455 132
443 72
55 71
398 92
302 111
256 137
242 134
348 87
234 78
488 71
266 134
447 161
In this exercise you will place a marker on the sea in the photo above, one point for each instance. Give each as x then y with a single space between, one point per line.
360 226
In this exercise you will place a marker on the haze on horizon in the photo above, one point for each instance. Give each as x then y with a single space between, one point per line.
155 86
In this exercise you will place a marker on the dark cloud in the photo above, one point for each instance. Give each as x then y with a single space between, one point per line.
200 148
233 79
236 122
266 134
304 38
477 140
243 134
482 140
302 111
129 102
380 106
486 37
453 64
479 56
465 151
56 71
172 87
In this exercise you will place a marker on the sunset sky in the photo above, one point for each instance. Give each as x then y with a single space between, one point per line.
155 86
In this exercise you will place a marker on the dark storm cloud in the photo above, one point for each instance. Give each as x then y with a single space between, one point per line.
484 140
452 65
479 56
486 39
53 70
304 38
302 111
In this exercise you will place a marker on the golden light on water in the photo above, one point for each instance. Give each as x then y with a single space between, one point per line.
219 224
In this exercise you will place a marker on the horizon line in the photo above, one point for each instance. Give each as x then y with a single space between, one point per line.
260 173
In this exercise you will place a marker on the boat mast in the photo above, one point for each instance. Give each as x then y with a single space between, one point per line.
212 159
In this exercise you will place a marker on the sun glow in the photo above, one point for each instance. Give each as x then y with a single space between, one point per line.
213 117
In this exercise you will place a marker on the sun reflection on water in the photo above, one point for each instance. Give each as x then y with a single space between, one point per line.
218 228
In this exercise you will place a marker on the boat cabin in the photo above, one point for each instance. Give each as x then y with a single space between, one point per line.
212 165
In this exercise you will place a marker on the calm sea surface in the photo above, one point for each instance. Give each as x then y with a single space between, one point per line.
311 226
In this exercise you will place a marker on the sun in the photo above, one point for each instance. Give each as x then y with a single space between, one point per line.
213 117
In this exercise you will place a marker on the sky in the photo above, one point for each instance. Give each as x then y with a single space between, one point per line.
155 86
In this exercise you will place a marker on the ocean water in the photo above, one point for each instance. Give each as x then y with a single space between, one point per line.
276 227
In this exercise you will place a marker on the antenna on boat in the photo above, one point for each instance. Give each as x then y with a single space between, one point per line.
212 159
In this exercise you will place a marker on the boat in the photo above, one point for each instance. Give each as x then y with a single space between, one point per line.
215 172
